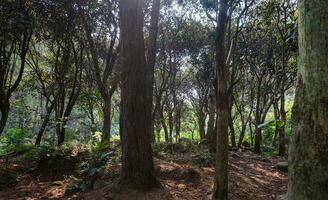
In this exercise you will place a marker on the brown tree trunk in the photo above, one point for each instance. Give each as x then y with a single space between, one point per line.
44 124
221 171
4 118
151 57
242 134
276 131
232 131
201 126
258 140
308 154
137 161
107 109
281 130
61 136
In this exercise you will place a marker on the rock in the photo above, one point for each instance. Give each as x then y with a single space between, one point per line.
282 166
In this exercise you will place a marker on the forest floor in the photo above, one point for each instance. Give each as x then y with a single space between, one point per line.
185 176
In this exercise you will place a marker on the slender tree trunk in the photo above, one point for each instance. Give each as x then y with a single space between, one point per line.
276 130
251 132
170 127
137 161
177 124
221 170
232 131
107 109
44 124
151 56
242 134
166 132
308 154
281 130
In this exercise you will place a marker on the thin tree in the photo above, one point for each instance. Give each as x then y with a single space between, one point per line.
221 170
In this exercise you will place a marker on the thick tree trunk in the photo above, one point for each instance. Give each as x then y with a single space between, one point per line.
221 171
44 124
4 118
107 109
308 154
201 126
211 132
258 140
137 161
61 135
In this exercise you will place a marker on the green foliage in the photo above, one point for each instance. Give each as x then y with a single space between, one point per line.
91 170
15 140
204 158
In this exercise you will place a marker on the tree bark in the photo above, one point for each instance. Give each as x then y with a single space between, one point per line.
281 130
4 118
151 57
107 109
44 124
137 161
221 170
308 168
232 131
201 126
211 132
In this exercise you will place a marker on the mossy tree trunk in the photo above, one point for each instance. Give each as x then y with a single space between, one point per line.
308 156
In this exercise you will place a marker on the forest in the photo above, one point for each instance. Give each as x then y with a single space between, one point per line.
164 99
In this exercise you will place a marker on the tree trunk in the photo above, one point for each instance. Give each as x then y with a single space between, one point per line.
201 125
221 171
137 161
232 131
258 140
4 118
258 133
308 168
276 130
151 57
281 130
242 134
44 124
61 135
107 109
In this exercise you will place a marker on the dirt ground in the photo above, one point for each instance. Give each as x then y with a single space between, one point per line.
251 177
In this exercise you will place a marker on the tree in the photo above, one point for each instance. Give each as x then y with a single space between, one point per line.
98 29
308 169
137 160
15 36
222 106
